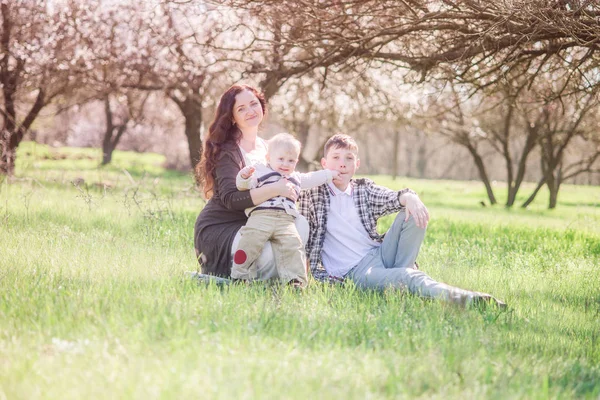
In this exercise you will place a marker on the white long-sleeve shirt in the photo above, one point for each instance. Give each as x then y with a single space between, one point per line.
264 175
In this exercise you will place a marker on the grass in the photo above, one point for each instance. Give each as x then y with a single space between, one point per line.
94 301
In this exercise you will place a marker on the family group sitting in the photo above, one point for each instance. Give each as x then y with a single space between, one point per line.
264 220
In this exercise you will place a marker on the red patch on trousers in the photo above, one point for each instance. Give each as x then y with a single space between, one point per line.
240 257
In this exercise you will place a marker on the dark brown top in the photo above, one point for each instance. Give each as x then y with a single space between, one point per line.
222 216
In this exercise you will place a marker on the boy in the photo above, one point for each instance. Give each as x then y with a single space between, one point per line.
344 243
274 219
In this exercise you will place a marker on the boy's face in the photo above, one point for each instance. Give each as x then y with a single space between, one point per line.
345 161
282 160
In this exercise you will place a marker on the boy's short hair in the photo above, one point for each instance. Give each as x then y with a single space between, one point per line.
340 141
284 141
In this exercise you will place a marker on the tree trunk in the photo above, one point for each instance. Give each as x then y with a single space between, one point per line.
512 186
367 158
422 160
512 195
535 192
395 150
482 174
12 134
553 197
107 150
530 144
192 112
303 165
8 153
271 84
552 188
302 130
192 133
315 159
109 143
555 188
191 109
107 147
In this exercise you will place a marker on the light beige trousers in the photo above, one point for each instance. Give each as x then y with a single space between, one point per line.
277 228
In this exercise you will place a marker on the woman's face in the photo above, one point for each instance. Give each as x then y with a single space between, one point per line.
247 111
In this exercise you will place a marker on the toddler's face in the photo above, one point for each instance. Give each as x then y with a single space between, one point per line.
283 161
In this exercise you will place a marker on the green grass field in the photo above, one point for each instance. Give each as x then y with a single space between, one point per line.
95 303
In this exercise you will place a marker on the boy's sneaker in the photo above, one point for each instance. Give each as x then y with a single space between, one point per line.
466 298
485 300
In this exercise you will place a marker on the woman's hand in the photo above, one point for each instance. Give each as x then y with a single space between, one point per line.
282 187
286 189
416 208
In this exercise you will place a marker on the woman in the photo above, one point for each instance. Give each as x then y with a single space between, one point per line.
233 143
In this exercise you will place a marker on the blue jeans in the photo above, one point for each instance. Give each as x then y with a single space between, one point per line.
392 265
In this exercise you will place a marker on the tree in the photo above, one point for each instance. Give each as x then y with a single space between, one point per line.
39 61
482 45
506 132
129 109
565 120
118 49
459 124
472 41
513 120
183 60
314 109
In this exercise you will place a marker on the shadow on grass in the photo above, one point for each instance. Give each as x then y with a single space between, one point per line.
580 204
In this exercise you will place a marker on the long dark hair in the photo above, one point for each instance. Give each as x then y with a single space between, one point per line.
221 131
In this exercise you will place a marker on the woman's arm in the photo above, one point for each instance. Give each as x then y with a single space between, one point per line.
280 188
225 175
226 170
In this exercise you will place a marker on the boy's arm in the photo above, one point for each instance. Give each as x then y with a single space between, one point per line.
384 201
415 207
314 179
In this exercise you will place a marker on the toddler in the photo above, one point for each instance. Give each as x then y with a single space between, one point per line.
274 219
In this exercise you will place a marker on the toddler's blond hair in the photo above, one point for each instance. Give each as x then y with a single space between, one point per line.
285 141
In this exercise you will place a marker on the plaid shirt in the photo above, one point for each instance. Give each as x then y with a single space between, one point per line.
372 202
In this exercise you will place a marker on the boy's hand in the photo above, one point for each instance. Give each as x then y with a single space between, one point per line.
335 175
416 208
247 172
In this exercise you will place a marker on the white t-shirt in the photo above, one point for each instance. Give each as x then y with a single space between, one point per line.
346 240
258 155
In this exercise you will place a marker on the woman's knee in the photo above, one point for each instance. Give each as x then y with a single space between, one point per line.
302 227
265 263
